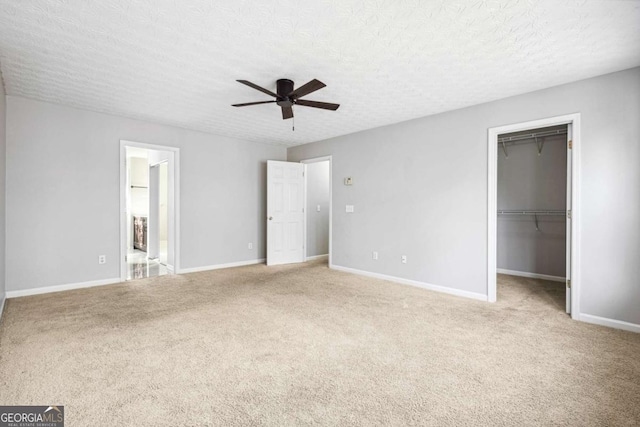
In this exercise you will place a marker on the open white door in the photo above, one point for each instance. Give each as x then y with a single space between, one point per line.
285 212
153 229
569 207
163 215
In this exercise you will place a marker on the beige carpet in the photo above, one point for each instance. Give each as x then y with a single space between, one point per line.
299 345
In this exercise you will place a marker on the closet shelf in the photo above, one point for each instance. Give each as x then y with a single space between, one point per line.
527 138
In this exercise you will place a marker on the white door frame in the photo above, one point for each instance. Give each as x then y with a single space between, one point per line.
123 202
492 187
317 160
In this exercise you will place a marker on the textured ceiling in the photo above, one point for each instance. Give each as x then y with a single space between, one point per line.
384 61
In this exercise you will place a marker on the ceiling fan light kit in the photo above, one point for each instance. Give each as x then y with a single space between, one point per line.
286 96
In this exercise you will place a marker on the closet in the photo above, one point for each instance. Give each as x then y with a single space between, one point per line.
532 191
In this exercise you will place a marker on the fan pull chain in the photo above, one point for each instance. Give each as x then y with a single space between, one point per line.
293 126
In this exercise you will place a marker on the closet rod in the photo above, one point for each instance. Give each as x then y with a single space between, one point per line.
534 135
535 214
531 212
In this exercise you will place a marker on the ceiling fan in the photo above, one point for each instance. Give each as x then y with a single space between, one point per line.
286 96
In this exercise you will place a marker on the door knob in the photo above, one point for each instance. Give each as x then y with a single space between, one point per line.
270 218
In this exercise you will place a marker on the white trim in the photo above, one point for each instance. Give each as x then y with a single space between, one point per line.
314 257
612 323
423 285
81 285
304 211
220 266
492 186
531 275
492 217
60 288
317 160
176 201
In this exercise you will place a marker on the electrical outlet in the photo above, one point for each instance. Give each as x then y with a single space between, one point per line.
375 255
349 209
250 245
318 208
102 259
404 259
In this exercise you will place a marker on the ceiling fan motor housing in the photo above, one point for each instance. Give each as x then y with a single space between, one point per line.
284 87
287 96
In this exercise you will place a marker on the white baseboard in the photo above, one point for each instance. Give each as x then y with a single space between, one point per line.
612 323
423 285
60 288
314 257
219 266
531 275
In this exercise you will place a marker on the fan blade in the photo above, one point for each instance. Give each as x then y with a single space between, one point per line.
252 103
306 89
316 104
255 86
287 113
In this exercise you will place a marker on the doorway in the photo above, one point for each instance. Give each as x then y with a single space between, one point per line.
317 218
533 226
290 209
149 213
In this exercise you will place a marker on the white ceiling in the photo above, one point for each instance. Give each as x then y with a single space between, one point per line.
384 61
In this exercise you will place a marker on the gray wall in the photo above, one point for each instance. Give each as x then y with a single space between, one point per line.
63 193
317 222
527 180
420 189
3 150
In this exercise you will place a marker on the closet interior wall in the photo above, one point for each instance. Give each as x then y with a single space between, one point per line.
532 179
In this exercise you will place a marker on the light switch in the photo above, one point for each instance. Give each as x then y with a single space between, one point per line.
349 209
318 208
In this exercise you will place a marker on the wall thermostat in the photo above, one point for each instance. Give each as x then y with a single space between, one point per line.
348 181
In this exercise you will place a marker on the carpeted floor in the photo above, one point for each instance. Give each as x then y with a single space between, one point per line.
299 345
